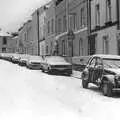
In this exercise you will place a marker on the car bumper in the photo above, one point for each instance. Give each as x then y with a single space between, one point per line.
22 63
34 66
62 70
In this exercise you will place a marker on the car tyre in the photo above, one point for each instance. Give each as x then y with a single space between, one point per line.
49 71
69 73
84 84
43 70
107 89
84 80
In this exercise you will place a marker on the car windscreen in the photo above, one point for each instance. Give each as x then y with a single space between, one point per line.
34 58
111 63
55 59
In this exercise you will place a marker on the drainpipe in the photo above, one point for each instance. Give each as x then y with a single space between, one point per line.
118 14
38 32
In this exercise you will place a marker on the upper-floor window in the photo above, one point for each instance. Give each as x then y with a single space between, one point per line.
4 40
64 24
74 21
82 18
58 2
97 14
52 26
48 27
108 10
59 25
51 46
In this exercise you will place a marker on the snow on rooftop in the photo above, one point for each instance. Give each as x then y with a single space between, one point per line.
4 34
107 56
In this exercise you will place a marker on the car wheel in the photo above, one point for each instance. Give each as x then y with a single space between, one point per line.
84 80
29 67
43 69
49 71
84 84
68 73
107 89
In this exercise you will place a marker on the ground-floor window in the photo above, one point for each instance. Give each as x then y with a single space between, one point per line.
51 48
4 49
63 47
81 47
118 47
46 49
105 45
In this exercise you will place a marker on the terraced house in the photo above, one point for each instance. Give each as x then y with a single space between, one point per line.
71 20
50 36
42 29
25 39
6 43
104 27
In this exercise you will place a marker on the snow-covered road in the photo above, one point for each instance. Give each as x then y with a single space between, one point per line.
31 94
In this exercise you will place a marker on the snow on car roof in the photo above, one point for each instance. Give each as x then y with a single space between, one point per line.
107 56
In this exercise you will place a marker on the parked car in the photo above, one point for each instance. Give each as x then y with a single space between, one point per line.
16 58
34 62
56 64
23 59
103 71
1 55
7 56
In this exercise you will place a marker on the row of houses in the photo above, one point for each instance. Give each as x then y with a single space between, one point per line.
72 28
7 43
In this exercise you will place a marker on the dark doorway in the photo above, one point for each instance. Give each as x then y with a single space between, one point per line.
91 45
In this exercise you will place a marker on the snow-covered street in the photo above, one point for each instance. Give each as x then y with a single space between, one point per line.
31 94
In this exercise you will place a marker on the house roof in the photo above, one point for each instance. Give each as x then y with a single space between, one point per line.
4 34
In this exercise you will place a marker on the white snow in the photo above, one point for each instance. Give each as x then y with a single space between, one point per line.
32 95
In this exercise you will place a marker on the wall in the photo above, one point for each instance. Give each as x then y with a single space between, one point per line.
102 12
80 31
35 32
111 33
50 37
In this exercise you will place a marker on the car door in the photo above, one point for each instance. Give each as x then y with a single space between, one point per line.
91 69
98 70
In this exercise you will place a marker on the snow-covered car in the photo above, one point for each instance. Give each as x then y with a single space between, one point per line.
104 71
23 59
16 58
7 56
34 62
53 64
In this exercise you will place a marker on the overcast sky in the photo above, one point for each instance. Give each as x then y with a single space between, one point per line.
15 12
